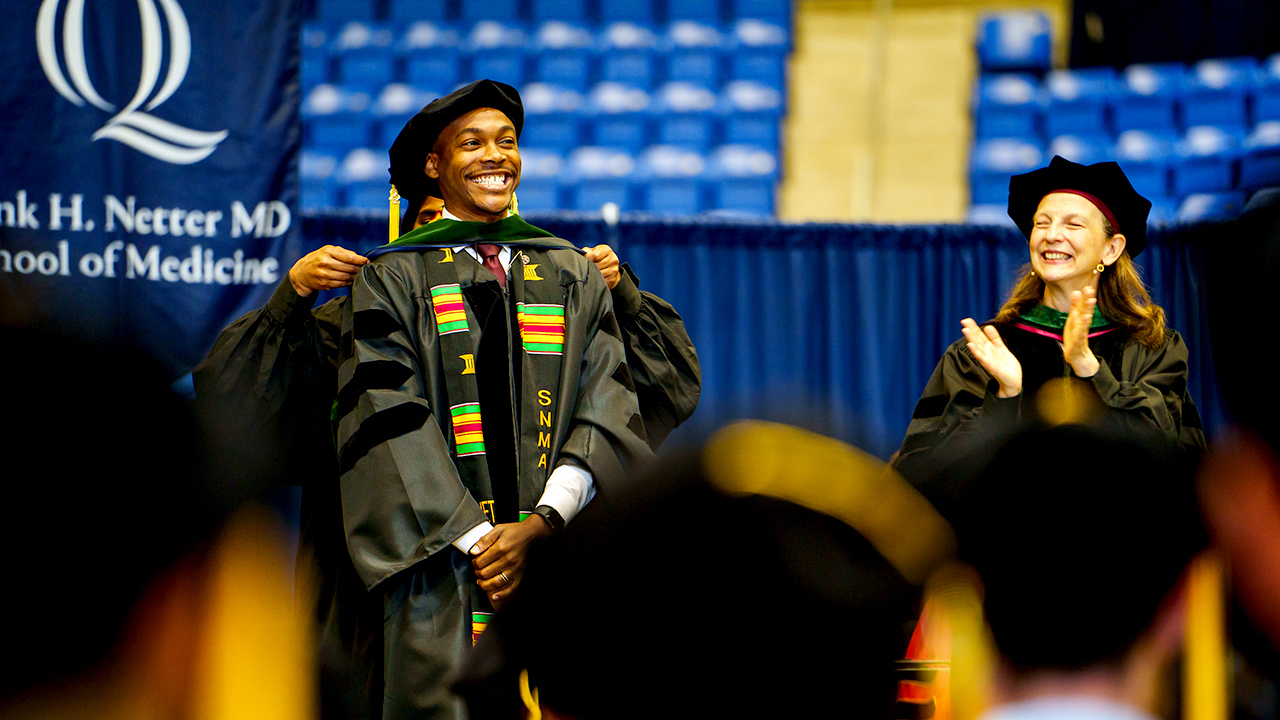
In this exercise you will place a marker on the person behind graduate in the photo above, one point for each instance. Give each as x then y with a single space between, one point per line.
278 366
484 399
1078 310
1083 574
795 609
118 553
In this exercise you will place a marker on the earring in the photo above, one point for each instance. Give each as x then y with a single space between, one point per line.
1099 269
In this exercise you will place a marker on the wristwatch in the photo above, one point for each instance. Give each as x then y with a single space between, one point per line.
551 515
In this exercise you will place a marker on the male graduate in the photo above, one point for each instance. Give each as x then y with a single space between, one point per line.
484 397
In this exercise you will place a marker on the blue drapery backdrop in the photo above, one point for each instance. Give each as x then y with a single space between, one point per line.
837 327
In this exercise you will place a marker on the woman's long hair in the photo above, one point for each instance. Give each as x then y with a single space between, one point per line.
1122 299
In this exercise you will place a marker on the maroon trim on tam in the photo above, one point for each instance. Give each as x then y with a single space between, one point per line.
1093 199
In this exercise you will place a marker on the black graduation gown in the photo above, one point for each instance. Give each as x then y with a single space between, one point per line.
1143 386
277 368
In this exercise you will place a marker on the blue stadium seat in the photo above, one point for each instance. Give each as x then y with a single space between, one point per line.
1014 41
1147 97
1266 97
1260 163
573 11
758 33
315 55
364 181
1217 93
701 11
619 116
337 11
627 54
672 182
551 117
497 52
759 52
598 175
994 161
631 67
429 35
686 116
479 11
1211 206
641 12
540 179
1206 161
400 12
335 118
1146 158
316 170
1083 149
564 54
1008 106
744 180
393 107
695 53
752 114
777 12
364 55
432 55
1077 102
763 66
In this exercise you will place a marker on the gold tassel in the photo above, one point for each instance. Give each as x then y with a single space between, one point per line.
394 223
515 206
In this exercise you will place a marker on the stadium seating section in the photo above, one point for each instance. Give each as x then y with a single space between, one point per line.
1195 139
660 106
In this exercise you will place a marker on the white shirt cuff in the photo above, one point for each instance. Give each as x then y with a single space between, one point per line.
568 490
473 536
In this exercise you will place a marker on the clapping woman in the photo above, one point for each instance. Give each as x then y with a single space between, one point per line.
1079 310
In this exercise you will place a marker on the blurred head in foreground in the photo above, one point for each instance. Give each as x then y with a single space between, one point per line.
1081 558
1240 482
766 576
113 510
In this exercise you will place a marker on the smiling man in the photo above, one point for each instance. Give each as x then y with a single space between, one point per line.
485 397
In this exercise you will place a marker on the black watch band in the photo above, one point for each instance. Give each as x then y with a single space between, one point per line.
551 515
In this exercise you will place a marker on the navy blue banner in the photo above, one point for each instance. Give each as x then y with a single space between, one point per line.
148 151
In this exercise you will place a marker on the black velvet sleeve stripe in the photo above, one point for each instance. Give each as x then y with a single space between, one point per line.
636 425
379 428
622 374
1191 417
373 375
372 324
609 324
930 407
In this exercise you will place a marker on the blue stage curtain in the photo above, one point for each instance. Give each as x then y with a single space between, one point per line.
837 327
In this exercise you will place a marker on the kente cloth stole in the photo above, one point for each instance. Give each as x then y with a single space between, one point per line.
540 318
1046 321
539 301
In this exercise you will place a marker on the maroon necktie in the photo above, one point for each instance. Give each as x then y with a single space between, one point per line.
489 256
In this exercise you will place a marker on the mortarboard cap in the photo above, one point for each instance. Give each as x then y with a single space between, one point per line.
1104 184
415 140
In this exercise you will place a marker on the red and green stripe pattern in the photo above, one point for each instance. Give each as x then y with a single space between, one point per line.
541 328
468 436
451 314
479 621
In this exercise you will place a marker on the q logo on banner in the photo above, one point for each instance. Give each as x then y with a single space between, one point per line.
158 138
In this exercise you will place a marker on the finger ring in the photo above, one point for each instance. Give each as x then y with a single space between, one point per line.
505 579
